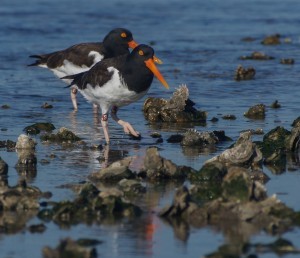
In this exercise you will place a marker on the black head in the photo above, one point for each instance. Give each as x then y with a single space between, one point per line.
117 42
142 53
142 58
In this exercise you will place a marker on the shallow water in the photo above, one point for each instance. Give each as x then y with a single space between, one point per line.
200 44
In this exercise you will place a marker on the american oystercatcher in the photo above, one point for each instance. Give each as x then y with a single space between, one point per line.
118 81
81 57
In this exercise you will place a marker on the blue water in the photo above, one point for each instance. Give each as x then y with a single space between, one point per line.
200 44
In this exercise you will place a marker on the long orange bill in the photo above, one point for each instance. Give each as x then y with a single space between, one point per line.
150 64
132 44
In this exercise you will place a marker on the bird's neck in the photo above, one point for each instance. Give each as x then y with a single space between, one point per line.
137 77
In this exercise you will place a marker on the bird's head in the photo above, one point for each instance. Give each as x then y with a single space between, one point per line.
145 55
123 37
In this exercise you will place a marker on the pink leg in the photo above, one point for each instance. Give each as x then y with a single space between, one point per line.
126 126
73 98
104 123
95 108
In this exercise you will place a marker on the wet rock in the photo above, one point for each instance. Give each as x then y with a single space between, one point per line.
156 167
91 205
178 109
256 112
242 73
46 106
175 138
131 187
26 164
13 222
287 61
258 131
257 56
280 247
238 186
221 136
8 144
196 138
271 40
229 117
25 142
115 172
210 171
5 106
274 142
37 228
296 122
38 127
19 198
62 136
244 153
181 206
275 104
69 248
3 167
292 141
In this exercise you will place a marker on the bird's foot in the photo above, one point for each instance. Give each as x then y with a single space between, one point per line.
128 129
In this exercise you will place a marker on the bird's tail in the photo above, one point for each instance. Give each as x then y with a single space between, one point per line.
41 60
74 77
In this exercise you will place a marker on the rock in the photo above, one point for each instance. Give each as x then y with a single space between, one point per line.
20 198
274 142
244 74
181 206
271 40
38 127
275 104
256 112
196 138
131 186
27 160
5 106
37 228
25 142
8 144
229 117
296 122
175 138
236 184
115 172
257 56
287 61
69 248
210 171
63 136
156 167
244 153
292 141
46 106
178 109
3 167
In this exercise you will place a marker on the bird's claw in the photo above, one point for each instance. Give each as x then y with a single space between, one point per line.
128 129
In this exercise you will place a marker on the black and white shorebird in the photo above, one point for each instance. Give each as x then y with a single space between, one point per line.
81 57
118 81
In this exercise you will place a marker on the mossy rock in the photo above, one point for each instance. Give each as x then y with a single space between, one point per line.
274 140
63 135
211 172
38 127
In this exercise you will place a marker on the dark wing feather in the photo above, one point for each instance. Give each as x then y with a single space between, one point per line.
98 75
77 54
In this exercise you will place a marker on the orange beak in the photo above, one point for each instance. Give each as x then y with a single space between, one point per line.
132 44
150 64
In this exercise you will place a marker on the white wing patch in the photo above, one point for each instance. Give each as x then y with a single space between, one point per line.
68 68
